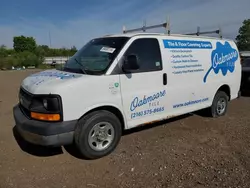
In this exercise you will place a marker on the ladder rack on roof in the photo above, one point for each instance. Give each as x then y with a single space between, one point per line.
198 33
144 27
167 26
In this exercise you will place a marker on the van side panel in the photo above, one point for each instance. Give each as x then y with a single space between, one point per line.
197 68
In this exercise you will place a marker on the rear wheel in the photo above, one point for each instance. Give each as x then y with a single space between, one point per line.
219 105
97 134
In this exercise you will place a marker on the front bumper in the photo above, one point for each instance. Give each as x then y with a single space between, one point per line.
44 133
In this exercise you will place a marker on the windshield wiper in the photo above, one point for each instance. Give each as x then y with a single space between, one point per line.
81 66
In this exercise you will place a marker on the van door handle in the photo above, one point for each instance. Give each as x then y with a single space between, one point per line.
165 79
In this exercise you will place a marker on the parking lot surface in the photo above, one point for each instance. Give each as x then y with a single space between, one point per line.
190 151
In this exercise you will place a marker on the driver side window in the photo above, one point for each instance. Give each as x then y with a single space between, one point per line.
148 53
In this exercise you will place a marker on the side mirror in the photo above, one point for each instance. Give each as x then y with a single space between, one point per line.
130 63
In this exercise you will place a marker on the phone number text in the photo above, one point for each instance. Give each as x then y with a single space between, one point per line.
147 112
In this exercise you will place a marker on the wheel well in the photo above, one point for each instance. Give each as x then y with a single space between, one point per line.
226 89
111 109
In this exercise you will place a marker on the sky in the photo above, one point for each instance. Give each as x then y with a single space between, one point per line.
75 22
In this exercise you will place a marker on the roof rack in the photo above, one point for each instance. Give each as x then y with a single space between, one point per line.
166 25
198 33
144 27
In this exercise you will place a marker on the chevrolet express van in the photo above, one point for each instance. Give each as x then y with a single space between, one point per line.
119 82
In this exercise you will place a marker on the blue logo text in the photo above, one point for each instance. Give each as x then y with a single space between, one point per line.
222 58
140 102
56 74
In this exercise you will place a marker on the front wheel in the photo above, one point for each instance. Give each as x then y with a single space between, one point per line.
220 104
97 134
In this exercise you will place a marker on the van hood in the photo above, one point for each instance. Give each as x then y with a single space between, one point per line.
48 81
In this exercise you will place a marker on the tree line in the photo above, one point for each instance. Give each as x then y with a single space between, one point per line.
26 52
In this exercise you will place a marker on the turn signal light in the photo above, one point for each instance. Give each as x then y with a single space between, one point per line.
45 117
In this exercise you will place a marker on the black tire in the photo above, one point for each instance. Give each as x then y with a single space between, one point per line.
84 127
220 96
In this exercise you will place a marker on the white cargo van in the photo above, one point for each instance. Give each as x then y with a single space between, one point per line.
122 81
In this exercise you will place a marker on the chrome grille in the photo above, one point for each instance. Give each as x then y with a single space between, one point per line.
25 99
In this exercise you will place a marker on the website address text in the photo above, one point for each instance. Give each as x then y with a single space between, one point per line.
190 103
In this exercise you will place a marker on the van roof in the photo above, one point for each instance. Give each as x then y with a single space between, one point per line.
163 34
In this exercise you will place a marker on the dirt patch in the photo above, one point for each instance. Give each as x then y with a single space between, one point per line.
189 151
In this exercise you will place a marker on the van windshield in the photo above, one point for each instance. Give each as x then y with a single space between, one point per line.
96 56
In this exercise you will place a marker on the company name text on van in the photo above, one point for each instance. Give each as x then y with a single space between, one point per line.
140 102
221 59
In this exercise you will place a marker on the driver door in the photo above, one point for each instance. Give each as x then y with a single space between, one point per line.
144 90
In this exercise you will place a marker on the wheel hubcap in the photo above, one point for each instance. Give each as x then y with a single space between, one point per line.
221 106
101 136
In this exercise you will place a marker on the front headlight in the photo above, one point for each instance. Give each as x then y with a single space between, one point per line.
46 107
45 103
51 104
